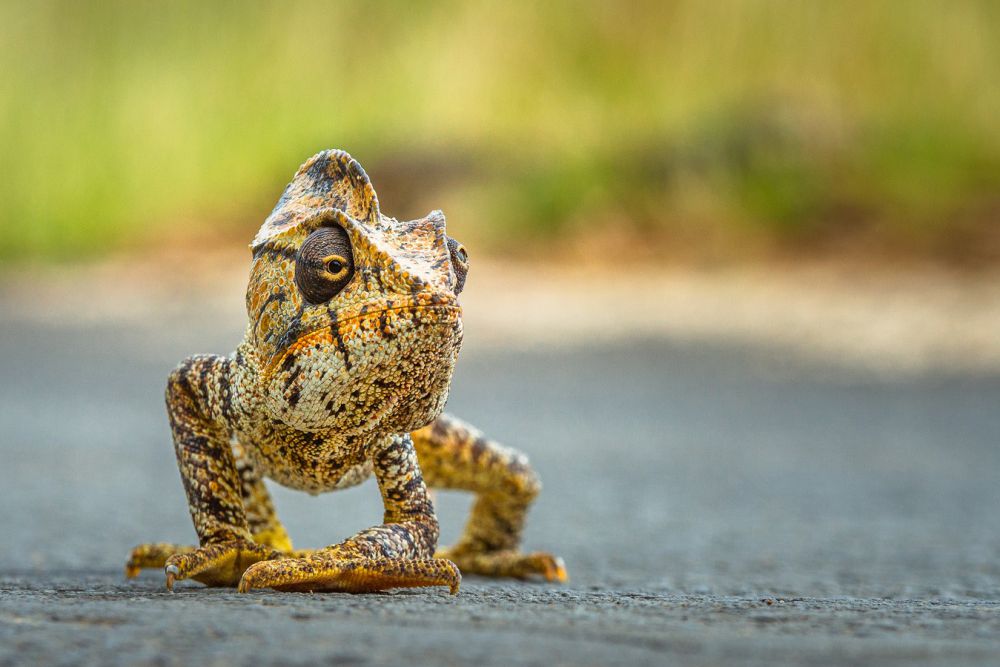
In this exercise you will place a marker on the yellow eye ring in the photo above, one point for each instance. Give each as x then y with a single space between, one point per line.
334 267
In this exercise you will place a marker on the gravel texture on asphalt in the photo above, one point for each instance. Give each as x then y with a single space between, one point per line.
715 505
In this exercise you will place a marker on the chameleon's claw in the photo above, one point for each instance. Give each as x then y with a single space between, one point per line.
557 570
171 571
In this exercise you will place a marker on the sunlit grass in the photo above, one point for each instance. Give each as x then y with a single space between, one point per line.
123 122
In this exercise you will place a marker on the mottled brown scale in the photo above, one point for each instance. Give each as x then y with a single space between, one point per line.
353 332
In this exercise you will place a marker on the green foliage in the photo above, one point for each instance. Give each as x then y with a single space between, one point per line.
125 121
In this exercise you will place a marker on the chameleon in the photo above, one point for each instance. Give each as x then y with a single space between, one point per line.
354 328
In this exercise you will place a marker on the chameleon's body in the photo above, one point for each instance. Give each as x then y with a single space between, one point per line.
354 329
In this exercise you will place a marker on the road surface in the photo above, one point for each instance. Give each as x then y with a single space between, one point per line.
714 505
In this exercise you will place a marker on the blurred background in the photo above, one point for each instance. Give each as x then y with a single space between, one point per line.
593 130
734 277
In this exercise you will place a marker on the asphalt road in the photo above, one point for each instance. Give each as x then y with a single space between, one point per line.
713 505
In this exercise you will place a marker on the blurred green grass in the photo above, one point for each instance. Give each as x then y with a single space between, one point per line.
610 128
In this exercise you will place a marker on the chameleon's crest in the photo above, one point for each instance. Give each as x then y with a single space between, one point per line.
330 179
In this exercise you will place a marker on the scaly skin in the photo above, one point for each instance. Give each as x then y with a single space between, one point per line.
354 329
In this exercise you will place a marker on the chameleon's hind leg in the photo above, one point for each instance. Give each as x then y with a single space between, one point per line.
453 455
262 519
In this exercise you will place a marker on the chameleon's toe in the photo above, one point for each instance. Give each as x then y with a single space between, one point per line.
556 571
171 571
512 564
220 564
153 556
360 575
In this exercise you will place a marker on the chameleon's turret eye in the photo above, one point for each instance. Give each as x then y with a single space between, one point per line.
459 262
324 264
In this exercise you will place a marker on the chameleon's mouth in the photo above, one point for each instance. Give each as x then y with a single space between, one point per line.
341 327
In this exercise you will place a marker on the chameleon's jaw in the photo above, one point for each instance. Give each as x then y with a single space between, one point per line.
378 367
372 323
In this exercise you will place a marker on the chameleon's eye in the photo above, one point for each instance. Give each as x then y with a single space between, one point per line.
324 264
459 262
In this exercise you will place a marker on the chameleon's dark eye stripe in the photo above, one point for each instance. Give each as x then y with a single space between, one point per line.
324 264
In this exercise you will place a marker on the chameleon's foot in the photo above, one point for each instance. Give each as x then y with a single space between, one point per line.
153 556
220 564
510 563
322 572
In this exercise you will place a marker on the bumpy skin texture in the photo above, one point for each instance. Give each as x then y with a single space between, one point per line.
354 330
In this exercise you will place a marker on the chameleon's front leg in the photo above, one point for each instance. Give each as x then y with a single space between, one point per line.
397 554
264 524
211 481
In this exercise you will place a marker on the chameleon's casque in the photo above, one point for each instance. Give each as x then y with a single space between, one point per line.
353 333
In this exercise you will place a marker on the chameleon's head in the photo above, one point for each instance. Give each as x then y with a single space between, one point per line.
354 317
